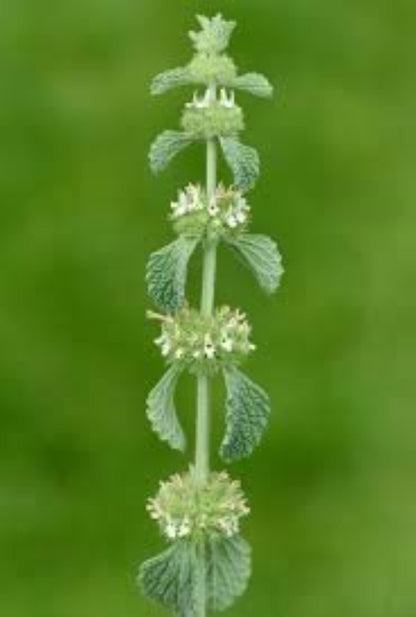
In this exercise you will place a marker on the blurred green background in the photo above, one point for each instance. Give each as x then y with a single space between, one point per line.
333 487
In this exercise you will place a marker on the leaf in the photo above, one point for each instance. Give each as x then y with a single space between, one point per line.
170 79
255 83
172 577
260 253
161 410
243 161
228 571
165 147
247 414
214 36
166 273
169 578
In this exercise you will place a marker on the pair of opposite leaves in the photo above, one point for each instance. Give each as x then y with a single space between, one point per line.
247 404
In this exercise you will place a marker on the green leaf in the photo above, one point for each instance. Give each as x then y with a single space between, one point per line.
161 409
228 571
168 80
170 578
243 161
166 273
165 147
247 414
214 36
261 255
255 83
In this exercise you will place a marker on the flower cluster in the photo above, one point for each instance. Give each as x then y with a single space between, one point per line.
227 214
208 68
205 343
204 118
184 510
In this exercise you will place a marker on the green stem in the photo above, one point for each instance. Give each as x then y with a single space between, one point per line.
202 447
207 305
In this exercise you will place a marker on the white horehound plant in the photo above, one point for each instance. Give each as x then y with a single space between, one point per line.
207 564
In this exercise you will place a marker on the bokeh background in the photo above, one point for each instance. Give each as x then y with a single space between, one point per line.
333 486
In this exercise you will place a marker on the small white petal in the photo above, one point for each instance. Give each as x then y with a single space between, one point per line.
227 344
231 221
179 353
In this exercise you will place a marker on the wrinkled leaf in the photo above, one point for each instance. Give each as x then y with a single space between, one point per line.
214 36
168 80
165 147
247 414
161 410
260 253
166 273
243 161
228 571
171 578
255 83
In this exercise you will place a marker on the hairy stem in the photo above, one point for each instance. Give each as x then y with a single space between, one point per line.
202 449
207 305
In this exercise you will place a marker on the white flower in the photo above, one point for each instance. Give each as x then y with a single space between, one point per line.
166 347
227 343
231 221
164 343
213 209
199 103
179 353
184 528
226 101
209 347
241 216
170 530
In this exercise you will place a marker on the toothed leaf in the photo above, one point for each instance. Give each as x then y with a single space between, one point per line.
247 414
228 571
243 161
161 410
260 253
166 273
255 83
169 578
165 147
168 80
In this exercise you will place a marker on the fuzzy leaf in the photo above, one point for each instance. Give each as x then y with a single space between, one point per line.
243 161
247 413
228 571
255 83
166 273
170 79
214 36
169 578
161 410
261 255
165 147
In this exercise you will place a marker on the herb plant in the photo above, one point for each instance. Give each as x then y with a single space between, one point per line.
207 563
